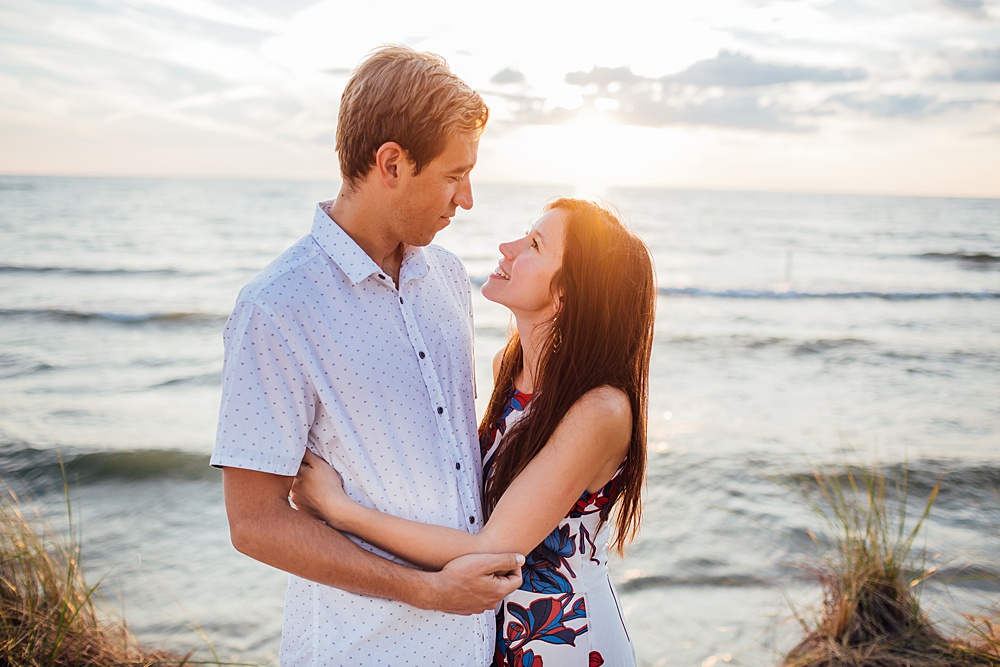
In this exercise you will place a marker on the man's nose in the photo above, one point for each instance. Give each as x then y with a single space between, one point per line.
463 197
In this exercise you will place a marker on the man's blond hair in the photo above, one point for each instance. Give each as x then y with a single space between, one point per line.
397 94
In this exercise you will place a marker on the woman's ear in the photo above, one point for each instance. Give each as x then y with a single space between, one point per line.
558 299
389 159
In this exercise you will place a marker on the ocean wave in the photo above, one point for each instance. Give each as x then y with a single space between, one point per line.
793 294
958 481
203 380
82 271
118 318
41 469
850 347
662 581
978 260
822 345
778 294
16 185
16 365
978 577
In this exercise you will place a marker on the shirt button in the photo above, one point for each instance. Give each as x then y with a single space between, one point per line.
440 410
401 299
458 466
381 276
472 519
422 355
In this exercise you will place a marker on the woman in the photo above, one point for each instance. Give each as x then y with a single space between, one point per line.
563 440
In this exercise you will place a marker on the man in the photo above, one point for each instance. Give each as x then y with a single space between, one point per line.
357 342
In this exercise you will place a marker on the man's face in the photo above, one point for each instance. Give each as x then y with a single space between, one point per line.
428 200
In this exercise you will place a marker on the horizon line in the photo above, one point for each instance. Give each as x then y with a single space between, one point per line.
336 182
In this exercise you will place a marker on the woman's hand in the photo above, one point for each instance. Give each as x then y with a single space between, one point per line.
319 490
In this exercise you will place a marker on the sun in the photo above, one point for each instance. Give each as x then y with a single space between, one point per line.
586 153
592 150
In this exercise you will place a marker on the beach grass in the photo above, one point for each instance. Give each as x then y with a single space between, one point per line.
871 614
47 612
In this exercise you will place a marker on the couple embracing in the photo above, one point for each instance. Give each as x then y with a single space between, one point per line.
348 387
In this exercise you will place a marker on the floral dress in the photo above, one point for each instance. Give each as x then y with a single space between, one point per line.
566 613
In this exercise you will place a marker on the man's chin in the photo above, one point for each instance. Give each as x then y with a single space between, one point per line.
421 242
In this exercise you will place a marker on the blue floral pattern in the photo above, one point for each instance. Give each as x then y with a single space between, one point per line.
546 622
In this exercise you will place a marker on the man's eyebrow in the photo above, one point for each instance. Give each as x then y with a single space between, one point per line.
463 168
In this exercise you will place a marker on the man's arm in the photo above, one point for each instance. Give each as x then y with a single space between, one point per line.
265 527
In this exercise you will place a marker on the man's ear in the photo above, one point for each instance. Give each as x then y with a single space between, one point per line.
389 159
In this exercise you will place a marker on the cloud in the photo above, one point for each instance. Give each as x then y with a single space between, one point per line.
737 70
670 100
905 106
636 100
508 76
981 65
606 79
530 110
887 106
734 110
974 8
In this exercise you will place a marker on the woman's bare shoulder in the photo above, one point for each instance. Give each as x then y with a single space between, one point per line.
606 400
605 410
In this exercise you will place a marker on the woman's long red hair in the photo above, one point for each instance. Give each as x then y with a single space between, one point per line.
605 321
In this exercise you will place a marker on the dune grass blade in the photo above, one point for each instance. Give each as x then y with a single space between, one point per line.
47 615
871 615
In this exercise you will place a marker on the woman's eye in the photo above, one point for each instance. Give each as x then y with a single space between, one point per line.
534 244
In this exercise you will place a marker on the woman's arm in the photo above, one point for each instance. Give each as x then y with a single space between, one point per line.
587 446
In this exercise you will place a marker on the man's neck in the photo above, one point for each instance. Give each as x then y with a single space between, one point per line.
363 223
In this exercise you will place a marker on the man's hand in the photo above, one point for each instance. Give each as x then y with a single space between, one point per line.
472 583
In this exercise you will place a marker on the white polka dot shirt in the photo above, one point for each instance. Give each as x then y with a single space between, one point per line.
323 349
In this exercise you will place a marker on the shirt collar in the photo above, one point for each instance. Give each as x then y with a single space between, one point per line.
352 260
414 264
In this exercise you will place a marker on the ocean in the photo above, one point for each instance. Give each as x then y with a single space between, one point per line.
795 332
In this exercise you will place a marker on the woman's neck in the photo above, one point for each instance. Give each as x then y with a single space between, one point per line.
534 336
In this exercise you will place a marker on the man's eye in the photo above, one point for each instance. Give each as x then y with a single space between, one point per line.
534 244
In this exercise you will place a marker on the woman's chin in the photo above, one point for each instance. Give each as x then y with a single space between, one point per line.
489 291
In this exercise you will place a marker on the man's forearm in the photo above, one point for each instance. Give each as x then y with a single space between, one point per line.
265 527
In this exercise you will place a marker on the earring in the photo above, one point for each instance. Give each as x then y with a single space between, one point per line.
556 335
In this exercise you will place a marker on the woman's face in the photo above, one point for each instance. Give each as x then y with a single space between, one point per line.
522 281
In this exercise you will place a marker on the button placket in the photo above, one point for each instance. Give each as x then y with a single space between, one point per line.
434 390
448 432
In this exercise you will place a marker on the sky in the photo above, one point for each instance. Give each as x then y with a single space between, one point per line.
880 96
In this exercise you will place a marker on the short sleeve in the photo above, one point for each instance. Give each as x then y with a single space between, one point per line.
268 402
